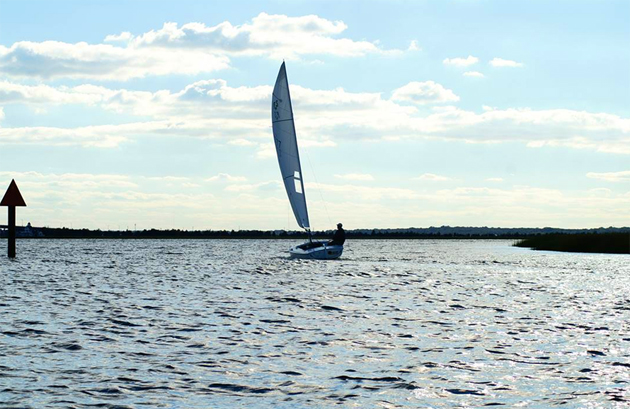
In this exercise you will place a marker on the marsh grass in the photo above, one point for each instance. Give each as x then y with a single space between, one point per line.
618 243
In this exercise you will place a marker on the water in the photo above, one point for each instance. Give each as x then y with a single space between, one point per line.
225 324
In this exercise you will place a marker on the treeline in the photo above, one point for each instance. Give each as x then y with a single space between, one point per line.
48 232
618 243
153 234
444 232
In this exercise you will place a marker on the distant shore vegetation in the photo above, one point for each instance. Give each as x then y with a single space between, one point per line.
617 243
523 235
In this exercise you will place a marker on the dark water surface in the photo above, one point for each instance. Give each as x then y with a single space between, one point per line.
225 324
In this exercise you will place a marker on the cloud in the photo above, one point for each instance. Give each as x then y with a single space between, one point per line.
600 192
102 136
242 142
212 109
71 180
271 35
189 49
53 59
475 74
422 93
372 193
47 95
461 62
500 62
543 207
102 201
266 151
494 179
168 178
413 46
224 177
537 128
124 36
262 186
355 176
318 144
623 176
118 201
432 177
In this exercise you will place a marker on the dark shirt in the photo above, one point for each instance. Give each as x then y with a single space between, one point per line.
339 238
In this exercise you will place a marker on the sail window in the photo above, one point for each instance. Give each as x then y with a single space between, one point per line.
296 174
298 186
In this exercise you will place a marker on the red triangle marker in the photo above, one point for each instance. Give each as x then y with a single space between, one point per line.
13 197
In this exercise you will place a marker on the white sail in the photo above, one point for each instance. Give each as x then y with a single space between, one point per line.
287 149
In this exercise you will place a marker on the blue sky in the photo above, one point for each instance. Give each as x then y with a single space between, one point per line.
156 114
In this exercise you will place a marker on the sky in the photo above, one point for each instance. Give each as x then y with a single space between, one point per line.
157 114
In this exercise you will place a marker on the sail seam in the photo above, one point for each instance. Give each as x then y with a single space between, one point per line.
282 120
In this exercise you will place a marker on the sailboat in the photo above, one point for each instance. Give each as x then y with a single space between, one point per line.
289 159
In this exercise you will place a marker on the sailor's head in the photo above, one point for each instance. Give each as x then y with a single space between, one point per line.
339 225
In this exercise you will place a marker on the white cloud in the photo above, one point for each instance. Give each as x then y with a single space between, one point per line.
71 180
53 59
189 49
44 94
623 176
224 177
537 128
262 186
500 62
273 35
240 116
266 151
413 46
118 201
168 178
1 113
124 36
421 93
242 142
432 177
102 136
372 193
600 192
543 207
461 62
355 176
307 143
475 74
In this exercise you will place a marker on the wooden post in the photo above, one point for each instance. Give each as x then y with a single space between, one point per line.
11 236
12 198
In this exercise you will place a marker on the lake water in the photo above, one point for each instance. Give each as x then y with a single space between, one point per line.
235 323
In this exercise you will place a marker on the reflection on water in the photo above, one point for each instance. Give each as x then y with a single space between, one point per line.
199 324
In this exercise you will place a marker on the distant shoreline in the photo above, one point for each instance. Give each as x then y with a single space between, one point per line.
433 233
303 238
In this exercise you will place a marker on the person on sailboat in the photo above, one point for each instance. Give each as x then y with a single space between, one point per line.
339 237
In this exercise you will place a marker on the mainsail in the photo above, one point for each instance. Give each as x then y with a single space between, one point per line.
287 149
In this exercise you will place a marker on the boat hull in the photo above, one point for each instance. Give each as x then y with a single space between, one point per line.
316 251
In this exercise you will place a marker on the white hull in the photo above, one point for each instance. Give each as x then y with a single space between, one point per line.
322 251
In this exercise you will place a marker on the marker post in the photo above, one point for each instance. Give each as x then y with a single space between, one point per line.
12 198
